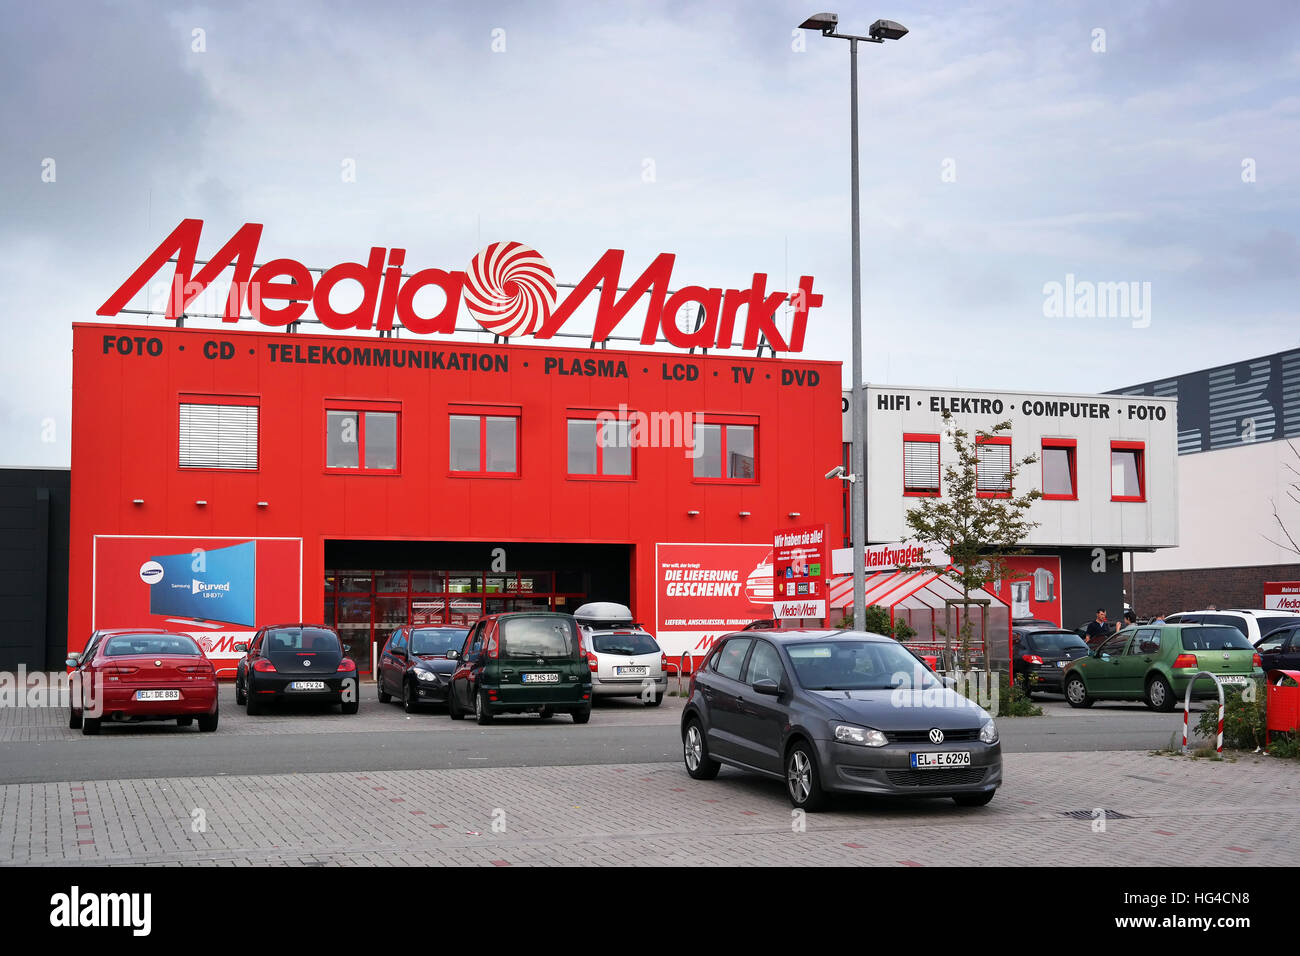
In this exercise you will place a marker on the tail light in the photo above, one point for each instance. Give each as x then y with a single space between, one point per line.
263 666
1257 661
592 664
347 666
120 670
663 663
1031 659
1186 660
196 669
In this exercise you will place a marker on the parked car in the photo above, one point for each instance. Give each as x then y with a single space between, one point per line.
1280 650
521 662
135 675
624 660
836 712
1155 663
1254 624
1042 654
296 662
415 666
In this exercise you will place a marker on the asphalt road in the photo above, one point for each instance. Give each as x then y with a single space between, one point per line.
381 737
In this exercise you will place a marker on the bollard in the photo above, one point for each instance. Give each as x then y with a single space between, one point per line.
1187 705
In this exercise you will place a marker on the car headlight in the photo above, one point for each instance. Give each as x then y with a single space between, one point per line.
989 732
426 675
862 736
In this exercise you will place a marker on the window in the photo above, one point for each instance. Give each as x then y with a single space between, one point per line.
484 440
1115 646
725 448
1059 473
361 439
921 465
1128 471
732 657
1145 641
764 664
993 470
218 433
599 447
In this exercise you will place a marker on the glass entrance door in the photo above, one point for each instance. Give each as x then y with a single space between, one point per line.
354 611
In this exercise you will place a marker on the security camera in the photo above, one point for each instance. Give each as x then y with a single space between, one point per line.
836 472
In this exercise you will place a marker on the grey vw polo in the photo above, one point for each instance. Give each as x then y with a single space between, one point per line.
837 712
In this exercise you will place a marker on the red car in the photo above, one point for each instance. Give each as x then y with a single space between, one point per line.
145 675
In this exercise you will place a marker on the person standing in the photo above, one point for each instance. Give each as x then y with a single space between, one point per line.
1098 630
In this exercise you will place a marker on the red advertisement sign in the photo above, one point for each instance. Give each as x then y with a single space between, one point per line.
1282 595
703 591
801 568
218 590
1032 589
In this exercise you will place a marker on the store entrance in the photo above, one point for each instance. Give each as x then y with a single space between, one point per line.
373 587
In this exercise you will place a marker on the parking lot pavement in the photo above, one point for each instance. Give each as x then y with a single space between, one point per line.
1174 811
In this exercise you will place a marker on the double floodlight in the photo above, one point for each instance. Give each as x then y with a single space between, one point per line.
880 31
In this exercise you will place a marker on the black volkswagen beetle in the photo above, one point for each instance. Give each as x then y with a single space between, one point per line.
414 666
837 711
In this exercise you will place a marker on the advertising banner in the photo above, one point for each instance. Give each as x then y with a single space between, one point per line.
218 590
703 591
801 566
1282 595
1033 588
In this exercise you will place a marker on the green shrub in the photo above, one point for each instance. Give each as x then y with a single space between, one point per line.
1286 746
1243 720
1012 701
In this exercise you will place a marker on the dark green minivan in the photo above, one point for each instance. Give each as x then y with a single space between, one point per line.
522 662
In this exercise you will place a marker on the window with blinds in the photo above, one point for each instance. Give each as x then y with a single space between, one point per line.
921 465
993 467
218 436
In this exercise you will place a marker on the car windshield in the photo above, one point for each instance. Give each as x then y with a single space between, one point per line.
626 644
436 641
538 637
1270 623
1056 642
127 645
1214 637
858 665
315 640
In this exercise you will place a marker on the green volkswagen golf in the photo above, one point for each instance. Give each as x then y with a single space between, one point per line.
1154 664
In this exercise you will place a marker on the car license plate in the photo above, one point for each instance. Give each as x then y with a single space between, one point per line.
541 678
631 671
157 695
307 685
1232 680
941 760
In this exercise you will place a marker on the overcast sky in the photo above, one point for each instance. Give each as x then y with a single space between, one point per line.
1006 144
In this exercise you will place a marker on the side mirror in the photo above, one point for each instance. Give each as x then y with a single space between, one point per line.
73 660
241 648
453 655
346 648
767 687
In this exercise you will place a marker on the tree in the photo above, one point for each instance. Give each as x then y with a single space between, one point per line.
1292 492
979 528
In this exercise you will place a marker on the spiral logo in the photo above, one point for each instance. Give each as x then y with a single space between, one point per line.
510 289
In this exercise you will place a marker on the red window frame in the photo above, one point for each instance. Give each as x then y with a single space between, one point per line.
705 418
361 407
589 414
1141 448
195 398
483 413
993 440
928 439
1072 447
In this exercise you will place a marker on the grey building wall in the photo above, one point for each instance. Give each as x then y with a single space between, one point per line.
34 513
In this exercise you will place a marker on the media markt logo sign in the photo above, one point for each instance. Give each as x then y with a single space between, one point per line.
509 289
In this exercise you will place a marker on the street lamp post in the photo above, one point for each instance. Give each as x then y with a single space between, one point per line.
880 31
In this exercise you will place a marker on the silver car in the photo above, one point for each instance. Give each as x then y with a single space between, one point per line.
625 660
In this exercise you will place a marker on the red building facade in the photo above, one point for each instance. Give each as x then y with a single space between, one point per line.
226 480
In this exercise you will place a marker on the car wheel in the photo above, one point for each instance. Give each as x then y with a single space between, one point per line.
546 713
408 698
184 721
801 780
655 700
90 726
241 698
1160 696
208 722
583 715
349 706
973 799
453 710
384 696
696 753
253 706
1076 692
481 712
74 719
